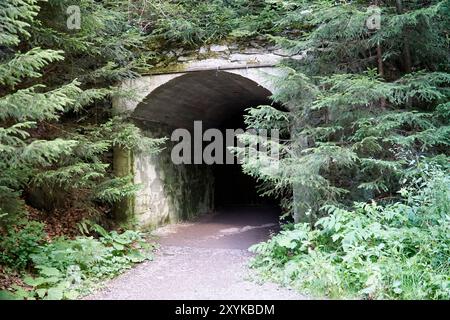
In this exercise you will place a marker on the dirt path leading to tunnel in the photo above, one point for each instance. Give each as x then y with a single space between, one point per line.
207 259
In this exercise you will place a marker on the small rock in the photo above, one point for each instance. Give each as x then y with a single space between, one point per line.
218 48
203 50
184 59
170 54
281 52
178 52
253 51
238 57
233 46
255 44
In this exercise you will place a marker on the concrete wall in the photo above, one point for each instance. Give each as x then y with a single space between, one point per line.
170 193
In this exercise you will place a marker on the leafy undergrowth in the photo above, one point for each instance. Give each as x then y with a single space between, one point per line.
68 268
395 251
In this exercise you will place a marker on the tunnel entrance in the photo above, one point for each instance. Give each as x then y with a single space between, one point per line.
174 192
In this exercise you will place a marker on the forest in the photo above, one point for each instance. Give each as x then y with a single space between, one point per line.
363 180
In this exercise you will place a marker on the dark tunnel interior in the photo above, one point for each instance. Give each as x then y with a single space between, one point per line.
232 187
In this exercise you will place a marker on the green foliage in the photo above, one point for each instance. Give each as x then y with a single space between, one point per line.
395 251
354 129
40 148
15 18
125 135
18 242
67 268
105 50
84 172
57 136
360 108
363 107
192 23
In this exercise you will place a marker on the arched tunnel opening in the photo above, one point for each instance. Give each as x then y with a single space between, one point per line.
219 100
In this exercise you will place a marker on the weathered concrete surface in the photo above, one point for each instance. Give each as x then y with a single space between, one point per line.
203 260
123 166
178 99
223 57
170 193
206 80
209 96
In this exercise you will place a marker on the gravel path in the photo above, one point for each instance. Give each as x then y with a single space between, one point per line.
203 260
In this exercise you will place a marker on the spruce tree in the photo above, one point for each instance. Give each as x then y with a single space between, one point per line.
22 105
57 131
364 104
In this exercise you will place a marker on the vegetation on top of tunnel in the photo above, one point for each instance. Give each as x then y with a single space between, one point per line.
364 172
172 24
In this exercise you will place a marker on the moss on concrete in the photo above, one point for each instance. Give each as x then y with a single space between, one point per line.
123 166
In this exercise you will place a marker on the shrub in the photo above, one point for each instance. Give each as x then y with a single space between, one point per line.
67 268
396 251
18 242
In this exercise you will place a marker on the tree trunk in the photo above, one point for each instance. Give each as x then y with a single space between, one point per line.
379 53
406 62
380 64
380 61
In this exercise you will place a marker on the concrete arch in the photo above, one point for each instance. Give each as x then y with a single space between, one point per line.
163 102
209 96
144 86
